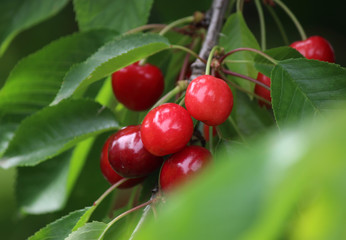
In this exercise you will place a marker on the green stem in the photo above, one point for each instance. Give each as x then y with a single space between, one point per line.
211 55
188 51
146 27
240 5
269 58
293 18
176 23
279 24
262 24
182 85
182 101
236 129
108 191
123 215
211 147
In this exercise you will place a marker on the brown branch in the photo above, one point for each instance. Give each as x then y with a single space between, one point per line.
217 13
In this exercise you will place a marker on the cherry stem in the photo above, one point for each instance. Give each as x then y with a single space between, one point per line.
210 58
245 77
176 23
279 24
262 24
125 214
182 85
244 90
269 58
240 5
211 147
188 51
293 18
108 191
145 27
230 119
186 60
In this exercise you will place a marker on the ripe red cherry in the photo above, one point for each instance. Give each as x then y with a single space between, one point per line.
127 155
315 47
183 165
261 91
206 132
108 172
138 87
166 129
209 99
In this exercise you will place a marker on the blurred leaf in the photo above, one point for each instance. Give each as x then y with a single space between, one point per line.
120 15
108 59
36 79
89 231
236 34
27 13
254 193
43 188
55 129
281 53
301 87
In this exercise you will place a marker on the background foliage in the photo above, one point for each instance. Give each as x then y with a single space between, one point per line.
287 184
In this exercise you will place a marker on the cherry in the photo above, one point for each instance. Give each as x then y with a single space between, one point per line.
138 87
206 132
166 129
209 99
108 172
127 155
261 91
315 47
182 165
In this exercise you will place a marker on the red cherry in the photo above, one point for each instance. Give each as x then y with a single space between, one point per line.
182 165
127 155
209 99
138 87
315 47
108 172
261 91
166 129
206 132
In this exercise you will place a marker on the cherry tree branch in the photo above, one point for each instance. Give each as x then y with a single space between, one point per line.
216 14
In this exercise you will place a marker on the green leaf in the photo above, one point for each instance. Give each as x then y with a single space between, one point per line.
36 79
302 87
55 129
286 180
109 58
90 231
43 188
61 228
281 53
236 34
27 13
120 15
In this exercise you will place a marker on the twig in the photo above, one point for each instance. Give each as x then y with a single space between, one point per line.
217 11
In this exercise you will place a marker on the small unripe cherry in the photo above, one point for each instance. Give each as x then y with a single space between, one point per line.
108 172
209 100
261 91
166 129
183 165
137 86
127 154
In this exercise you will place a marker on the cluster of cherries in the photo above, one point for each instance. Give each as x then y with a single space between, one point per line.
314 47
134 152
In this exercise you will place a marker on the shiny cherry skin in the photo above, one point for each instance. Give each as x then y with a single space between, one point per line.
182 165
261 91
315 47
206 132
209 100
127 154
166 129
138 87
110 175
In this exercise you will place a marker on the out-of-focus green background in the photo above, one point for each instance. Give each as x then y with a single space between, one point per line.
317 16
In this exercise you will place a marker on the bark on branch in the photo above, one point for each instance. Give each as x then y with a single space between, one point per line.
217 13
